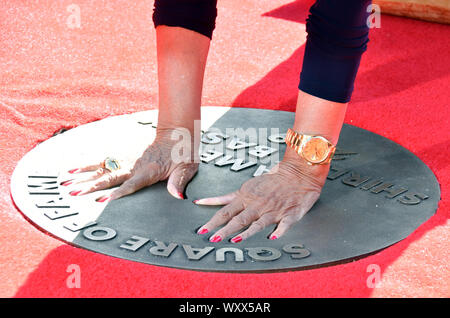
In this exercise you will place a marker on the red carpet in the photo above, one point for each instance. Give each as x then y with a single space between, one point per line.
52 76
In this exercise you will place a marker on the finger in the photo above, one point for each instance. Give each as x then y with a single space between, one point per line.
220 200
103 182
133 184
255 227
295 214
179 178
98 173
284 225
222 216
91 167
236 224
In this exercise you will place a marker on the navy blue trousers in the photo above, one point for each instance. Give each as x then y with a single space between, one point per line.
337 37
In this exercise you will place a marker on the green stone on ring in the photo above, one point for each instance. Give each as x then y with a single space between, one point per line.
111 164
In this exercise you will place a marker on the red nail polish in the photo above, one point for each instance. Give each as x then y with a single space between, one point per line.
74 193
103 199
216 239
202 231
73 170
237 239
66 183
273 237
181 195
194 201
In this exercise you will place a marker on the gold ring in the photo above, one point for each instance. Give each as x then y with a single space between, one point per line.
111 164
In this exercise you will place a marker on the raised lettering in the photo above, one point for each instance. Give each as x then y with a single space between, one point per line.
238 254
263 253
371 184
225 160
337 173
381 187
210 155
134 243
108 233
277 138
46 186
355 179
297 251
76 226
393 192
239 165
161 249
261 151
237 143
214 137
261 170
194 253
53 215
413 198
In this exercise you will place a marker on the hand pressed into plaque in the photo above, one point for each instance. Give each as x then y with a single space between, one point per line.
282 196
158 162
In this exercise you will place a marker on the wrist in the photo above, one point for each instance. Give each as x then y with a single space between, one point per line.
317 116
167 127
296 166
181 140
191 129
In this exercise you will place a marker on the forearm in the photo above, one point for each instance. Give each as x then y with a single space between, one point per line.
317 116
314 116
337 38
182 55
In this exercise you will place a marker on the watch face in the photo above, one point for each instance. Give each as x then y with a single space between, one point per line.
315 150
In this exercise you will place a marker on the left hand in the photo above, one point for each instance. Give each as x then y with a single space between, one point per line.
282 196
155 164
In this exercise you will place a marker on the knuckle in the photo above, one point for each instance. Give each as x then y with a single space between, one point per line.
99 184
112 178
116 194
258 225
138 162
290 219
224 214
129 184
137 167
240 220
91 189
189 166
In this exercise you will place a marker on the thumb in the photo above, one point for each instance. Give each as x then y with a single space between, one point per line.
180 177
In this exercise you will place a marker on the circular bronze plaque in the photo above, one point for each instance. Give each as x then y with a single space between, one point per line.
377 193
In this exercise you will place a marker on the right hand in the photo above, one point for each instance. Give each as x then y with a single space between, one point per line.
155 164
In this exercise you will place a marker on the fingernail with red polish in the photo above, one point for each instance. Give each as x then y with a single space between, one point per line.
74 193
195 201
216 239
202 231
103 199
236 239
66 183
273 237
180 195
73 170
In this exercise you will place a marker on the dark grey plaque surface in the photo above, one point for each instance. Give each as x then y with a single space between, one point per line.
377 194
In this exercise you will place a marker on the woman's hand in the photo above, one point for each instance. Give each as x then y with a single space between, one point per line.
282 196
157 163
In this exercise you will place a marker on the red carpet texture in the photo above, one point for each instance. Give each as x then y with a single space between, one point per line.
56 72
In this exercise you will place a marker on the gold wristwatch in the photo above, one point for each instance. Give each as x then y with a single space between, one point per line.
314 149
